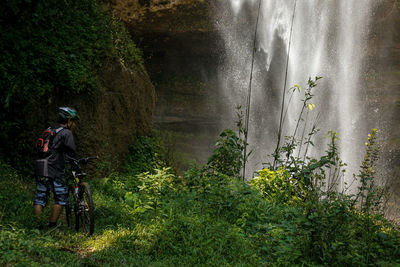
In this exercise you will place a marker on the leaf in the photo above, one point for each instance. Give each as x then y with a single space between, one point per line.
298 87
311 106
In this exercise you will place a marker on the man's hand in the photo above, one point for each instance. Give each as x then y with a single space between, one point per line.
83 161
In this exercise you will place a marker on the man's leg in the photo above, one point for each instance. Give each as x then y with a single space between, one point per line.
60 191
37 209
40 201
42 194
55 213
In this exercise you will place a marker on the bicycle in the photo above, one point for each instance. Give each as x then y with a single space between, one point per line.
81 202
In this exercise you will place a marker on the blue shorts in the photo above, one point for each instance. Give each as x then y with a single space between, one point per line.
57 186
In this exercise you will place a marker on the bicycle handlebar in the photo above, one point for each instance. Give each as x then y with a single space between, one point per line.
87 160
83 160
92 157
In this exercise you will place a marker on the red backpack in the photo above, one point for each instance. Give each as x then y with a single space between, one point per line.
44 142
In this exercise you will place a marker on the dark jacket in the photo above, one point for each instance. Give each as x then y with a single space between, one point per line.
62 147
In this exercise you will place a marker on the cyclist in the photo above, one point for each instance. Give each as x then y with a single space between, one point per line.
62 147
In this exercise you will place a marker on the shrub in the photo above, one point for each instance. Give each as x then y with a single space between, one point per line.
145 155
230 154
195 239
153 187
227 157
276 185
16 197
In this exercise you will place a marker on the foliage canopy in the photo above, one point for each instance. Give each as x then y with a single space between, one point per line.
53 50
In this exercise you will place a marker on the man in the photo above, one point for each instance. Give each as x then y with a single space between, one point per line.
61 147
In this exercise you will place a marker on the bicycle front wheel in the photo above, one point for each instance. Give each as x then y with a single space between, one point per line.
85 217
69 208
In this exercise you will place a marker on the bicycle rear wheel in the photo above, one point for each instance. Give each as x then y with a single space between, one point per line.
85 214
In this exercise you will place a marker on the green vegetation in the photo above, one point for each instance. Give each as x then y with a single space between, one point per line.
57 45
217 220
146 154
53 50
148 215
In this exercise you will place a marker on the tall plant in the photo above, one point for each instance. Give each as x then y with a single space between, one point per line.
291 140
370 194
309 174
230 154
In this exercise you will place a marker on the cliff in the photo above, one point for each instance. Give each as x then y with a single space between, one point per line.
123 110
182 51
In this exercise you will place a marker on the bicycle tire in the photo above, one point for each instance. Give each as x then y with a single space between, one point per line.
70 209
85 210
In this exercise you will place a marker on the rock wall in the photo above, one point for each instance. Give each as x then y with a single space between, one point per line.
123 110
182 52
109 120
158 15
382 102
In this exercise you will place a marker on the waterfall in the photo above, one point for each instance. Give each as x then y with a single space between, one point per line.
328 40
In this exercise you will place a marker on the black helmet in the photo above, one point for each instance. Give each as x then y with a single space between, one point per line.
68 113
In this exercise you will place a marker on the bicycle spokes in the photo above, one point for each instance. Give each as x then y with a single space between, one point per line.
86 209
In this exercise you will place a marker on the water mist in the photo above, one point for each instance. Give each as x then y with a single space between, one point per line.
328 40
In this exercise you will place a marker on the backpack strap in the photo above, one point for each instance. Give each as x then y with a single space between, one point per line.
55 132
59 130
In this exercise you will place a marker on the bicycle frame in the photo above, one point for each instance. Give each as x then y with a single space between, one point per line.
76 184
75 195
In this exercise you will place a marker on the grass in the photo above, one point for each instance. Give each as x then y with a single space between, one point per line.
213 222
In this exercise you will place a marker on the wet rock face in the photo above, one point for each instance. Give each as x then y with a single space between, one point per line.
182 51
136 9
122 110
160 15
110 119
383 94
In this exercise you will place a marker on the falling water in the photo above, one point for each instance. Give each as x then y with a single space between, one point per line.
328 40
